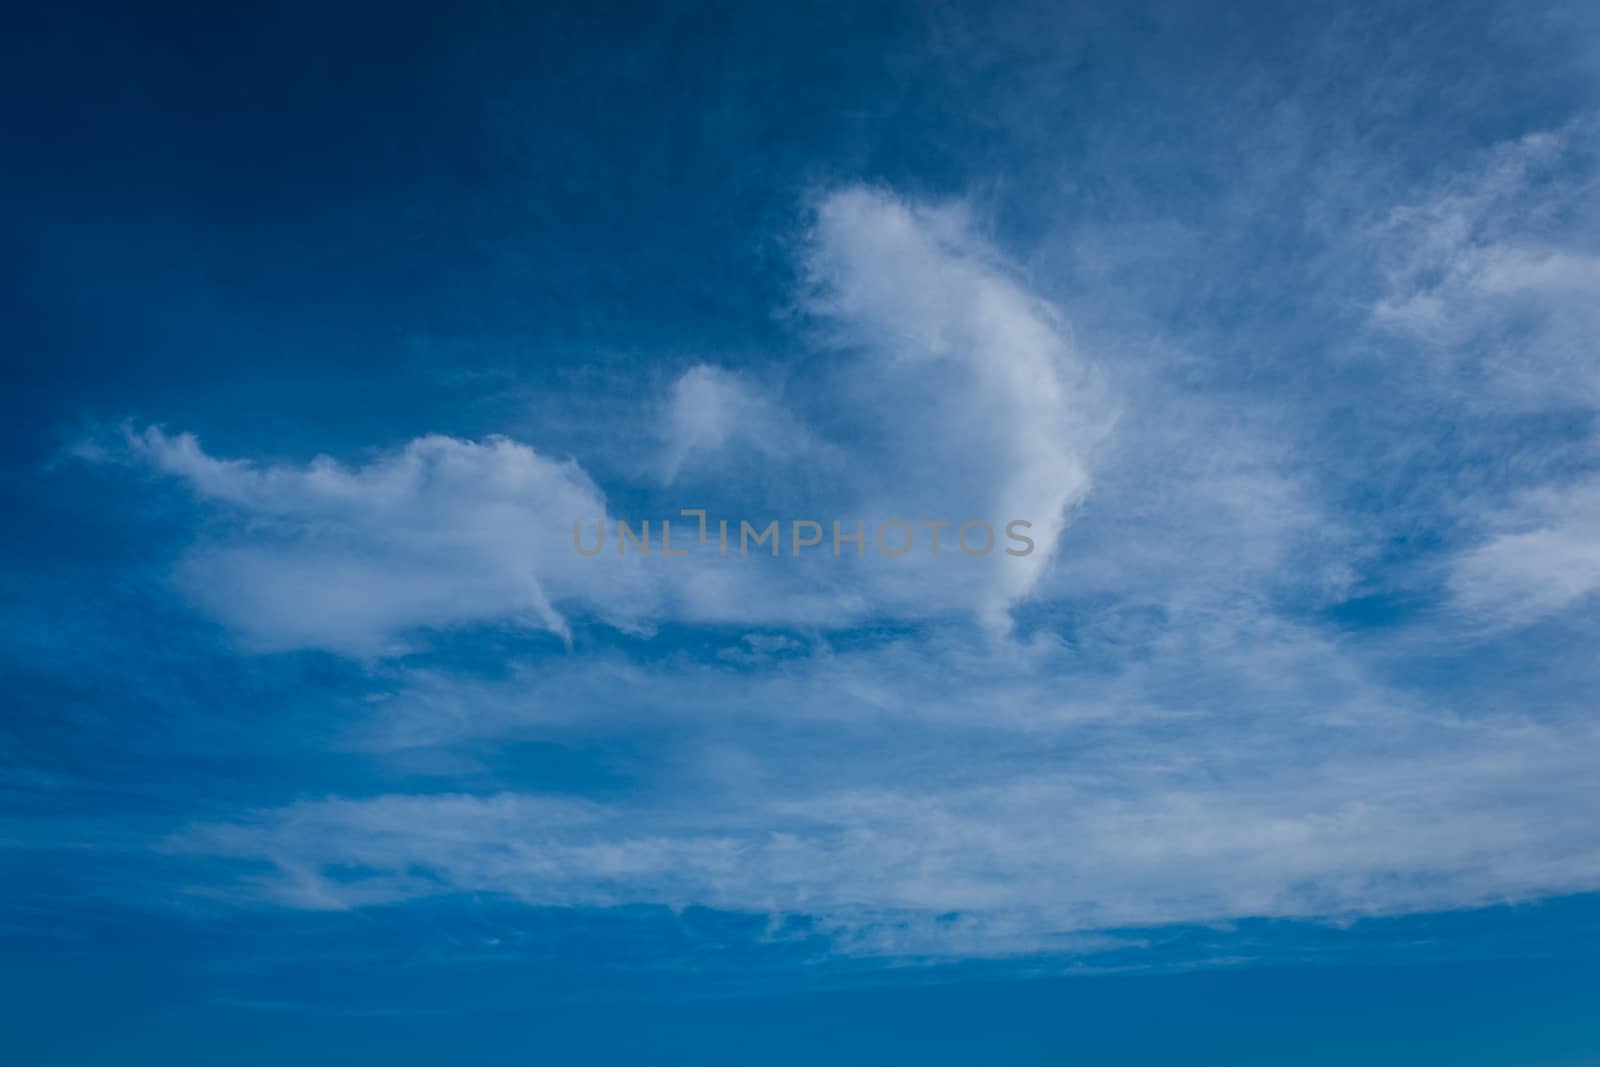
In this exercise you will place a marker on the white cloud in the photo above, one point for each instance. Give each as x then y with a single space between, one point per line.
964 400
1495 275
1542 557
711 411
441 533
979 403
1009 799
1494 272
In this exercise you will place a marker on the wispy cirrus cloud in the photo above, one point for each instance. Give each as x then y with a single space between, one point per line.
712 413
1036 802
1494 274
1542 557
1495 277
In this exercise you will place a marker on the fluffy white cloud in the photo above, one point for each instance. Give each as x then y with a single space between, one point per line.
962 399
970 386
442 533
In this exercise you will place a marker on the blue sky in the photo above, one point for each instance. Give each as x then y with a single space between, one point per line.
1274 322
